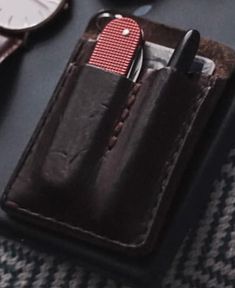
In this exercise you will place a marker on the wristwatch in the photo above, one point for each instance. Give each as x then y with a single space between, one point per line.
18 17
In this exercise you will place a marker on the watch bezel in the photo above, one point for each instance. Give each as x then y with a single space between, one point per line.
36 26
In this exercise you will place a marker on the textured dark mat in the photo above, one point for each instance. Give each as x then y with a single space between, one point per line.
207 256
205 259
23 267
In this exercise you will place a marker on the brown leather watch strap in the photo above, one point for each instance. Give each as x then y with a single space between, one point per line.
9 44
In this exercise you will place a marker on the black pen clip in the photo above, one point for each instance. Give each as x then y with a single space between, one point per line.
185 52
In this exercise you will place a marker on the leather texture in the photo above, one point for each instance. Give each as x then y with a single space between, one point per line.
8 45
74 155
117 193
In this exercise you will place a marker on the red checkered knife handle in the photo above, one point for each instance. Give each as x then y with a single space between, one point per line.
117 46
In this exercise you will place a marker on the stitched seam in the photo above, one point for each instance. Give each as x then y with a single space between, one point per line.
123 118
72 227
170 163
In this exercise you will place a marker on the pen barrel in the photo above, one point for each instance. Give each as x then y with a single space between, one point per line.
185 52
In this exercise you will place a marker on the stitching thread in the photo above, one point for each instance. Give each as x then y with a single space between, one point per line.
124 116
170 162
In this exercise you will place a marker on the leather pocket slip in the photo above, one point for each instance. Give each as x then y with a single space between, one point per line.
109 153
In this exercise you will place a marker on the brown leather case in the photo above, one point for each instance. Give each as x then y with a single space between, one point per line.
107 156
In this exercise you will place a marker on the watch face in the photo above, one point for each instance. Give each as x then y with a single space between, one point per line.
20 15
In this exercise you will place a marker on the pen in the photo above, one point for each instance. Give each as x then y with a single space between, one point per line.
185 52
